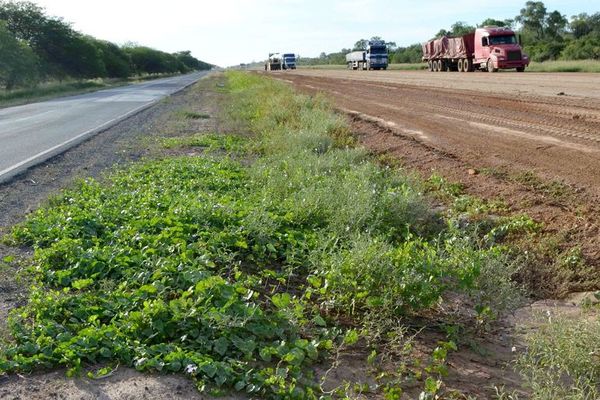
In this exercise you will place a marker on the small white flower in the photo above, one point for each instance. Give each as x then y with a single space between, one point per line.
190 368
140 361
514 349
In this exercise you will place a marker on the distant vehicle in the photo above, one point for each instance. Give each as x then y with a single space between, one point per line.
288 61
374 57
489 48
273 62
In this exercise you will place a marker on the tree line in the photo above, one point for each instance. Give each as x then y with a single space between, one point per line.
545 35
35 47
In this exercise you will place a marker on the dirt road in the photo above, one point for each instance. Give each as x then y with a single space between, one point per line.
488 120
532 139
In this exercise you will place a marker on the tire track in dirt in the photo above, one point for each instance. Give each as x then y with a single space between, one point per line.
483 128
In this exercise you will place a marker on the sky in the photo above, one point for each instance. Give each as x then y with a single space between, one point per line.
229 32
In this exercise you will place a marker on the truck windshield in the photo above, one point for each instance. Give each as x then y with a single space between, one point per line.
379 50
288 56
503 39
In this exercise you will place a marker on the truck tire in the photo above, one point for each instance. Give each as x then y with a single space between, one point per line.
460 65
520 69
429 66
490 66
468 65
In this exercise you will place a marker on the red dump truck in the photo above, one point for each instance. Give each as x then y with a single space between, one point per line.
488 48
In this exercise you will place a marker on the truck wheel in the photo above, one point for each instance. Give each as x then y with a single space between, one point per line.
429 66
468 65
490 66
520 69
460 65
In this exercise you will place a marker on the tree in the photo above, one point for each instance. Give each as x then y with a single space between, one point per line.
18 63
508 23
411 54
117 63
583 48
533 18
459 28
556 24
584 24
360 45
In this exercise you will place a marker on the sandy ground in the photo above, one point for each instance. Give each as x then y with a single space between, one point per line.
509 82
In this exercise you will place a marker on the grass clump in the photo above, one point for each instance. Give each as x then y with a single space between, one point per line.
235 273
186 114
49 90
565 66
211 142
561 360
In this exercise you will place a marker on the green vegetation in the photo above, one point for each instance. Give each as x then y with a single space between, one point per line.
566 66
37 48
561 361
245 266
48 90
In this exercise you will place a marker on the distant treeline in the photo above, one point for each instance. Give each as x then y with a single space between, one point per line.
35 47
546 36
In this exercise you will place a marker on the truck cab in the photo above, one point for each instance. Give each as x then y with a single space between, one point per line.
377 55
498 48
288 61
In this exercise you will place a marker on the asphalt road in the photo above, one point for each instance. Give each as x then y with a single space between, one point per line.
32 133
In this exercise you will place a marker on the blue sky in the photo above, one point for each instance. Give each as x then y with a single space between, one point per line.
227 32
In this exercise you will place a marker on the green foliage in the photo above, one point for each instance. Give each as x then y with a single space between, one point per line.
411 54
211 142
561 359
566 66
116 62
583 48
18 63
533 18
584 24
458 28
146 60
142 272
495 22
48 46
50 89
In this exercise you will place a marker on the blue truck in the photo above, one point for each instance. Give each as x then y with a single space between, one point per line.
375 56
288 61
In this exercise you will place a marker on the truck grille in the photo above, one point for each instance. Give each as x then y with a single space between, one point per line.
514 55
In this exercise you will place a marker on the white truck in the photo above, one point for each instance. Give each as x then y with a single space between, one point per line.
274 62
375 56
